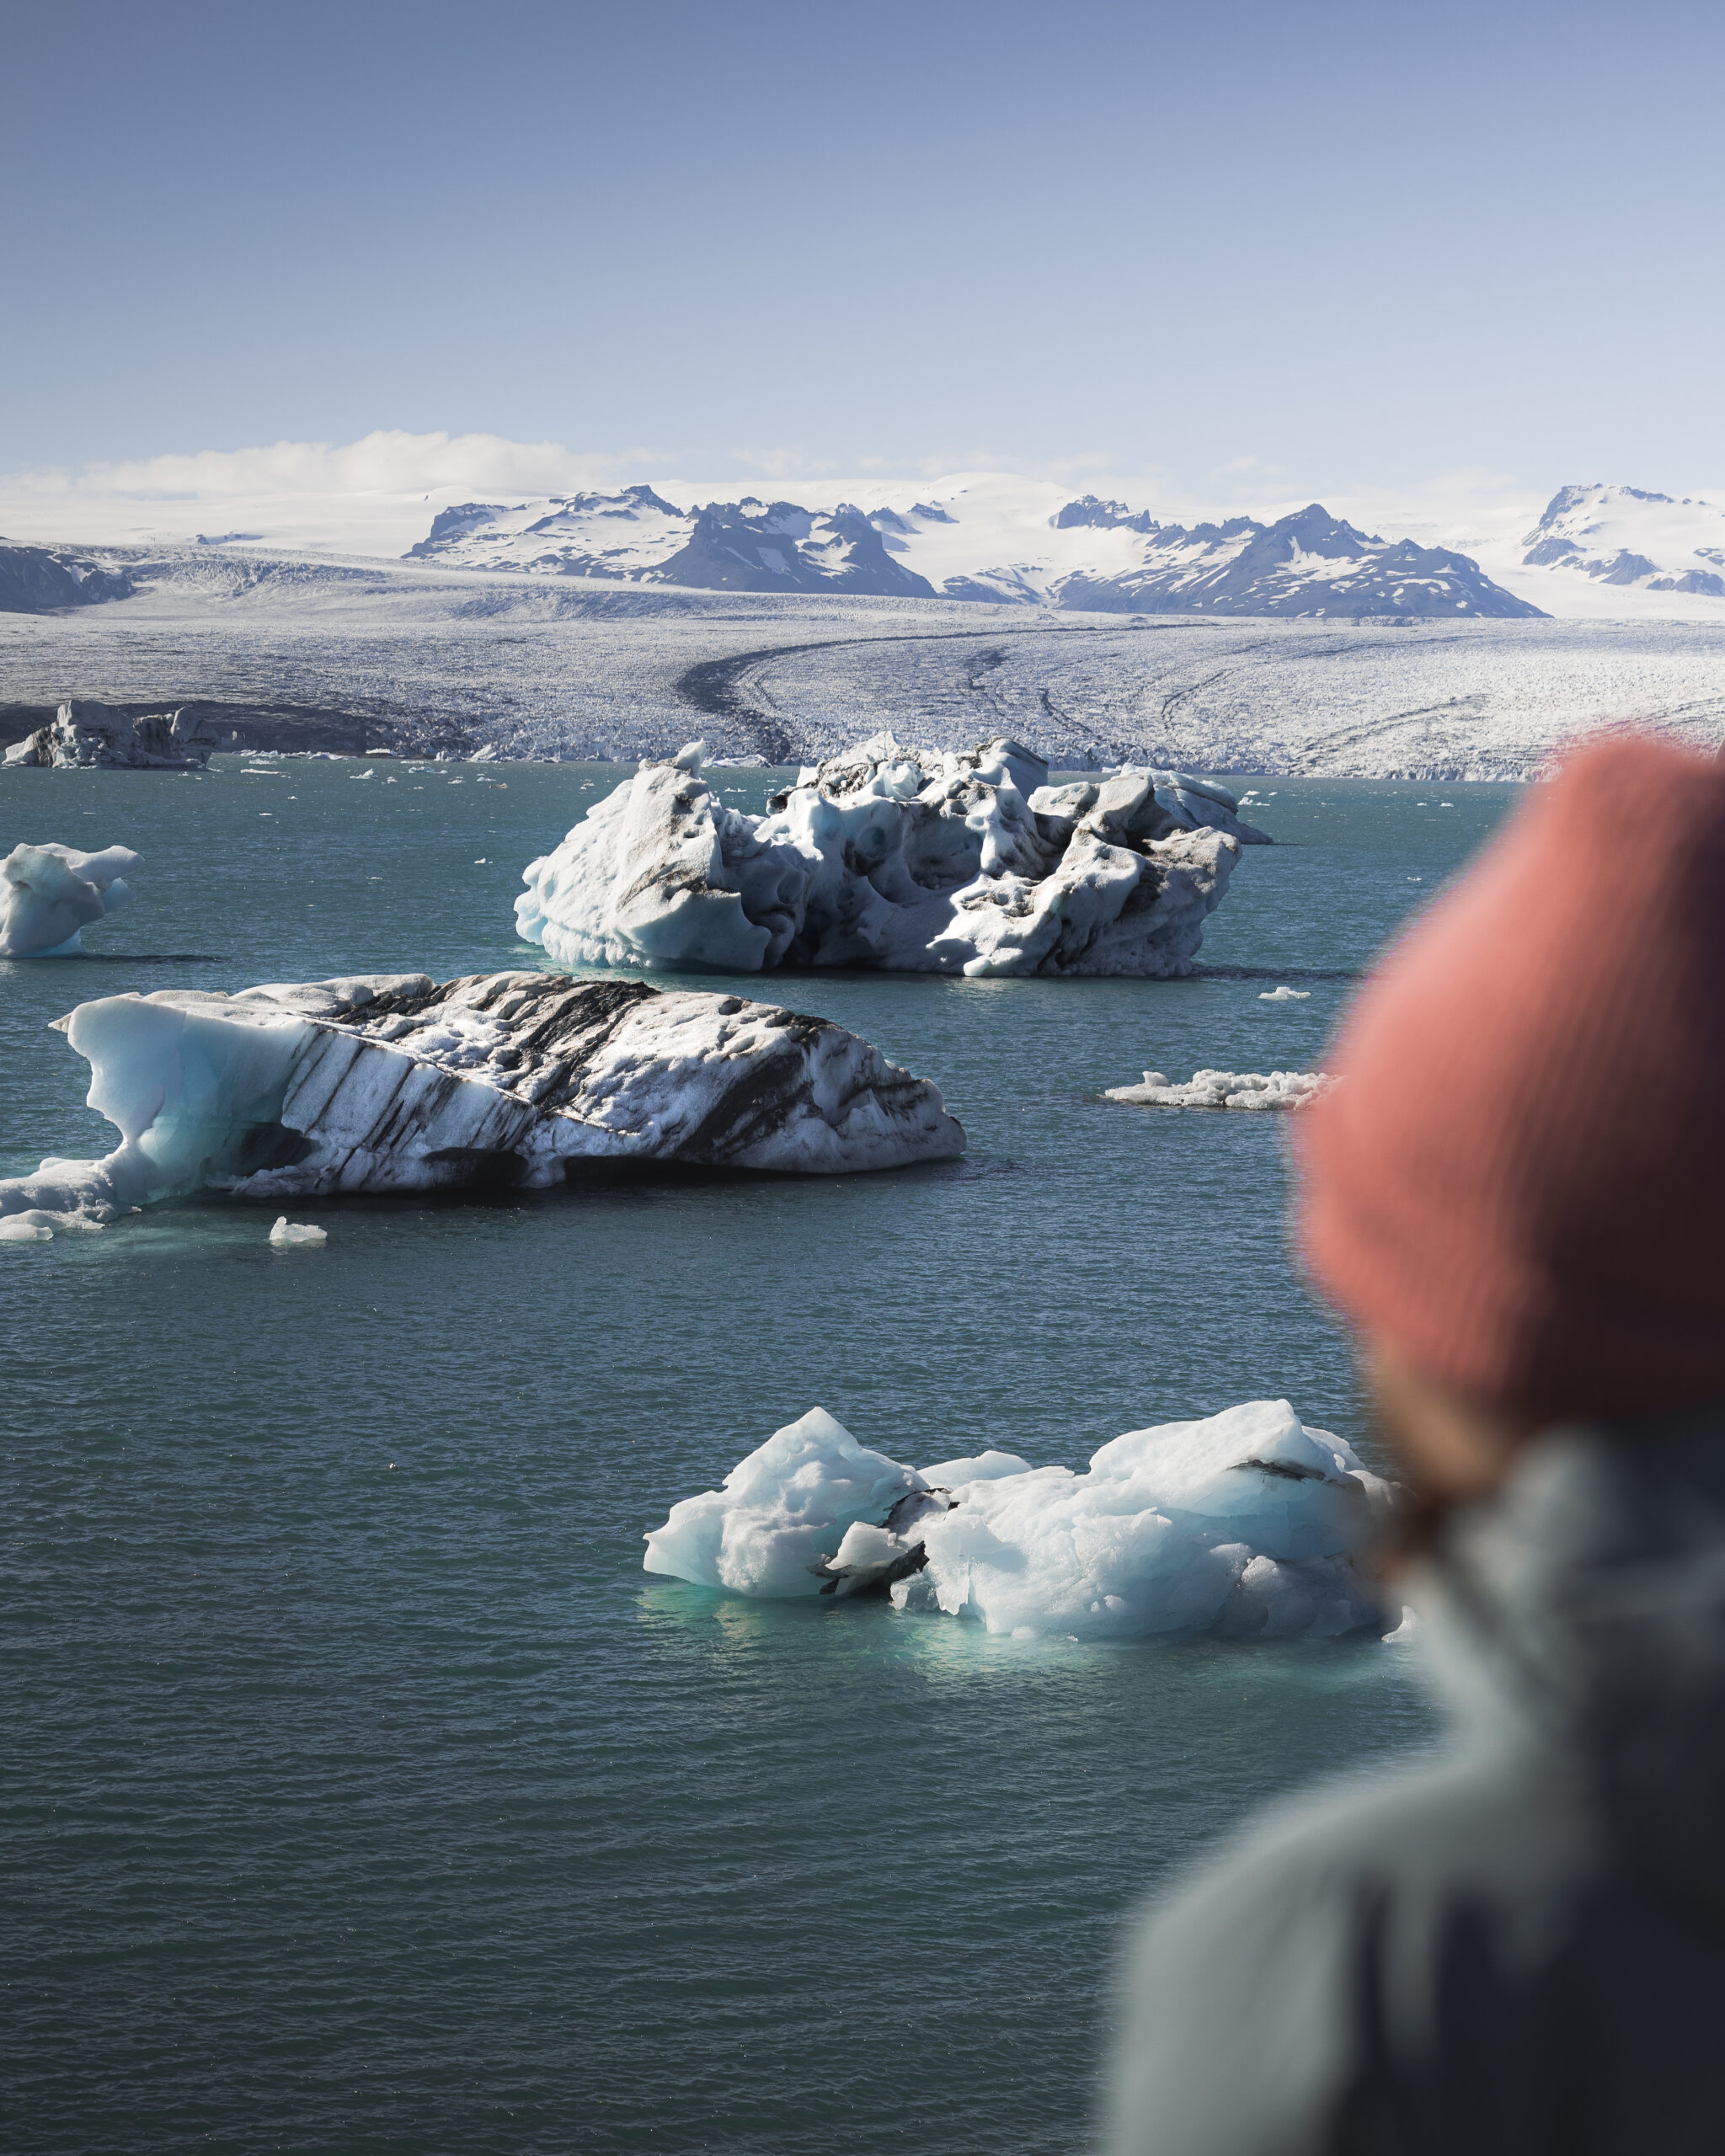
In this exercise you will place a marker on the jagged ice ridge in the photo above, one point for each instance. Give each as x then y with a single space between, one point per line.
914 860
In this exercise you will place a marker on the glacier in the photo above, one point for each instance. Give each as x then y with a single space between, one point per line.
1250 1089
50 895
392 1082
915 861
1247 1524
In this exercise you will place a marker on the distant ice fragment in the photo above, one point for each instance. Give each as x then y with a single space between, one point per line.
914 860
1225 1089
389 1082
1245 1523
295 1234
50 895
1285 995
21 1228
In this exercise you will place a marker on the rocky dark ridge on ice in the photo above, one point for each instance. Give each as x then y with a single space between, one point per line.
746 545
1630 537
44 580
1309 564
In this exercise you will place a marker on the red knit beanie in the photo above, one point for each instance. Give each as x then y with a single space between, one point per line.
1520 1181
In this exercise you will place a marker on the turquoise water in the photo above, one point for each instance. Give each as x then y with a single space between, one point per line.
363 1795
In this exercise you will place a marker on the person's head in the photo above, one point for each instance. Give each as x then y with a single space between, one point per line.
1515 1192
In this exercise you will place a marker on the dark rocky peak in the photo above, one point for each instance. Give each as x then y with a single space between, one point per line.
44 580
1317 532
1112 515
450 524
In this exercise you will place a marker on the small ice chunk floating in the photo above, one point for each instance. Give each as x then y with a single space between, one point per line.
1251 1090
85 735
914 860
296 1235
50 895
392 1082
1245 1524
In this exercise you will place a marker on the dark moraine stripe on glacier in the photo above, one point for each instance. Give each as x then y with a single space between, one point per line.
569 1023
718 688
768 1090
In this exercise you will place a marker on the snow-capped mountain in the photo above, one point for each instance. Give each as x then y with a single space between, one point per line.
976 541
746 545
1309 563
1623 535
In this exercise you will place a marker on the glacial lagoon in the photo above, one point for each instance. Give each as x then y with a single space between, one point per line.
367 1794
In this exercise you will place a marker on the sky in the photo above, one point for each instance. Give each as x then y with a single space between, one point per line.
1228 252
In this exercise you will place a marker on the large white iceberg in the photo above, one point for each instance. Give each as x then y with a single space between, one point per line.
85 734
915 861
50 895
1251 1090
390 1082
1246 1524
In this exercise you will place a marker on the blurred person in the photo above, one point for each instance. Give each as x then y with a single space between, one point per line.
1515 1195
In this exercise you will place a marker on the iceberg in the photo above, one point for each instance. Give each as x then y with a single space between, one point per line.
50 895
1251 1090
295 1235
392 1082
914 860
1247 1524
85 734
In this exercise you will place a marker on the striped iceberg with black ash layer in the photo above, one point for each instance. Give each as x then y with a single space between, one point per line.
392 1082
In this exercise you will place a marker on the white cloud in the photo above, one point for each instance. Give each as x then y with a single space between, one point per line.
375 495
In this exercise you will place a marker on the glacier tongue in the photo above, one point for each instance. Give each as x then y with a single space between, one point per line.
391 1082
1246 1524
913 861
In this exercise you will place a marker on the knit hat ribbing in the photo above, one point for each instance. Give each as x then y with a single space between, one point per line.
1520 1181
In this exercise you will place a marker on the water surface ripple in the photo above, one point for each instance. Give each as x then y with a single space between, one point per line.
363 1795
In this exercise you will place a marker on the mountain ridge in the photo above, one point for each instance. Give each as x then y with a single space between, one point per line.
1306 563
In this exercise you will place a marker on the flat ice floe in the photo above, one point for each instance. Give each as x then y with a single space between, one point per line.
50 895
389 1082
1246 1524
1225 1089
921 862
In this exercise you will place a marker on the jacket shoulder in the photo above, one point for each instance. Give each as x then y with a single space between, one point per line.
1287 1998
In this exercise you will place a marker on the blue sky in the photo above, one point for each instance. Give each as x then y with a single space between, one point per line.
1243 250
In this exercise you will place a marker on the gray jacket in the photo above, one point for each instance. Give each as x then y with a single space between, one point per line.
1519 1948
